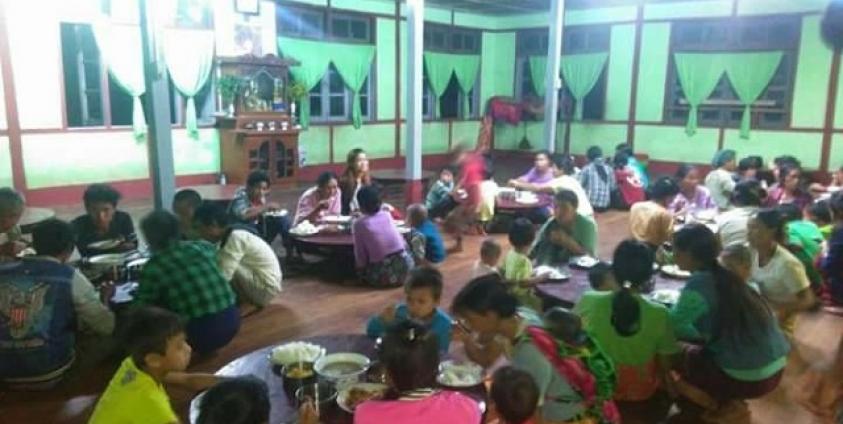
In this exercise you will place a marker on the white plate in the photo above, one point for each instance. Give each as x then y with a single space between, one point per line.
105 244
289 353
459 374
551 273
675 271
108 259
342 397
665 296
399 223
584 261
336 219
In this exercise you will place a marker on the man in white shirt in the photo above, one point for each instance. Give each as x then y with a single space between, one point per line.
563 169
244 258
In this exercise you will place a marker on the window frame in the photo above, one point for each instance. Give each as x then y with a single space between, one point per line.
733 31
449 34
598 41
325 95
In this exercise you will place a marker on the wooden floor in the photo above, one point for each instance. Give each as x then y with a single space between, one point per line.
308 307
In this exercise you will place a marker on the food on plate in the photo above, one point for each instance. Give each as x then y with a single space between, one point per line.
296 352
550 272
675 271
358 395
454 374
105 244
667 296
584 261
299 371
305 228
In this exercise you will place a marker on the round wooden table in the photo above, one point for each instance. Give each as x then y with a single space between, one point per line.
32 216
215 192
567 293
506 203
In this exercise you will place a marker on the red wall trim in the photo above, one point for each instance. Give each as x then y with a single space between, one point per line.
130 189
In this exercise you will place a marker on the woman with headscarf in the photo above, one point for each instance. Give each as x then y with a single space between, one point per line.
720 181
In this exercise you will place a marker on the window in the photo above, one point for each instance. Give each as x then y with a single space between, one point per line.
318 24
331 100
447 39
304 23
722 108
576 40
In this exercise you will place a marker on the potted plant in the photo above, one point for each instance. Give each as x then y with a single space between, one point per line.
295 92
229 87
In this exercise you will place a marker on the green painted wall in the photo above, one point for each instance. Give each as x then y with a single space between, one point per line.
777 143
655 42
5 163
51 160
688 9
385 68
672 144
764 7
812 74
836 152
497 69
585 135
619 83
377 139
600 15
315 144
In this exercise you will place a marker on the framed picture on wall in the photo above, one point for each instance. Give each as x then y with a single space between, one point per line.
247 7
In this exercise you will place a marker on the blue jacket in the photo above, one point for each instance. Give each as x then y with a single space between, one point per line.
434 248
37 318
439 325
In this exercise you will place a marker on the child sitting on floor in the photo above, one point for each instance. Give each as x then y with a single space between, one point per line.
423 291
515 396
240 400
428 248
439 201
819 213
158 353
490 256
518 269
601 278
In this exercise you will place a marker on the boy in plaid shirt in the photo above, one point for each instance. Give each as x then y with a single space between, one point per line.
183 277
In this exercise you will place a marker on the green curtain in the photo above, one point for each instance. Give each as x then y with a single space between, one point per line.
353 62
120 47
314 62
538 72
581 72
189 55
439 68
750 74
698 75
466 68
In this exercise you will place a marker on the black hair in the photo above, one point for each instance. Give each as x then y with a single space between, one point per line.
237 400
546 154
446 168
189 196
785 169
515 394
624 148
748 193
567 196
10 200
485 294
598 273
522 233
789 212
620 161
750 162
663 188
632 265
210 213
410 354
774 220
425 277
836 205
593 153
740 309
564 163
257 177
683 171
147 331
100 193
786 160
722 157
369 199
488 167
821 211
53 237
490 246
324 178
160 229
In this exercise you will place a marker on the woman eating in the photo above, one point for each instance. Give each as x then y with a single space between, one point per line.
574 384
746 199
692 196
778 273
319 201
741 352
720 181
380 252
355 176
567 234
788 188
634 332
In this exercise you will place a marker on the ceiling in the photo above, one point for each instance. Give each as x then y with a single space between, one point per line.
509 7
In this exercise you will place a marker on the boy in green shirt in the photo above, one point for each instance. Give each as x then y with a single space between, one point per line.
518 270
159 353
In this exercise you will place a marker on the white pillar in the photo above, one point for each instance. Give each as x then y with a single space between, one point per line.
413 98
552 81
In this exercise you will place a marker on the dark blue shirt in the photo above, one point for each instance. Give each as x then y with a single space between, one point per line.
439 324
434 248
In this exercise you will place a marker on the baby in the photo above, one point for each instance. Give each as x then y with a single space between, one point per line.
490 256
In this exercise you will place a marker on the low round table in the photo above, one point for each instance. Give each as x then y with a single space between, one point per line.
215 192
567 293
33 216
505 203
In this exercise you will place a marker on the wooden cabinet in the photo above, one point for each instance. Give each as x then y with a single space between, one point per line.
259 141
